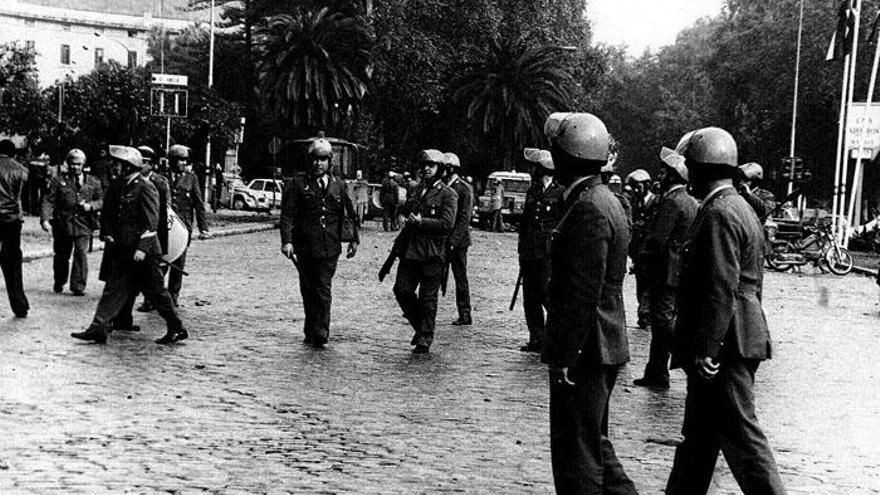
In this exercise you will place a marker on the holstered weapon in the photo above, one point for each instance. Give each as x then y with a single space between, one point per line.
396 251
516 290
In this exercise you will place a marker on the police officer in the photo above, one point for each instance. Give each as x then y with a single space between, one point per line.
638 189
128 227
661 253
460 238
429 214
313 207
721 331
186 198
748 185
123 320
13 177
586 342
541 213
68 212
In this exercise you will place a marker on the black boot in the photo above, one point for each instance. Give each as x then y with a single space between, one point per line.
173 335
94 334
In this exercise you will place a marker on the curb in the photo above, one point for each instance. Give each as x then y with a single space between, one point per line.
99 246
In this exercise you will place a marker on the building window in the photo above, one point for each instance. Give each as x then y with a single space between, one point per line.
65 54
132 59
99 56
29 45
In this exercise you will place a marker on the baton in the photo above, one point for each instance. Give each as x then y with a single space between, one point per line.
516 291
163 262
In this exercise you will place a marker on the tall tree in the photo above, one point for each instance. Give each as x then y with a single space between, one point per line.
22 108
313 69
511 91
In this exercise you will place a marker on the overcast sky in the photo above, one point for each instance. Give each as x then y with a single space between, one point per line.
645 23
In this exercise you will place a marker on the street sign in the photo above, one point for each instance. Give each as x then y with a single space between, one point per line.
168 102
274 145
860 127
169 80
867 153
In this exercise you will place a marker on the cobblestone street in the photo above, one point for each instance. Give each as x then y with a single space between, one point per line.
244 407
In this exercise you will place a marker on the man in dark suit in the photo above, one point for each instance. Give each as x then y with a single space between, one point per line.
721 333
186 199
586 341
312 211
429 213
661 254
68 212
13 177
460 238
541 213
128 227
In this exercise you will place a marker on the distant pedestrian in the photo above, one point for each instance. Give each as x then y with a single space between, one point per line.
13 177
497 204
314 210
748 184
69 213
217 191
661 252
721 331
638 189
586 340
460 238
388 200
430 215
361 196
541 214
128 228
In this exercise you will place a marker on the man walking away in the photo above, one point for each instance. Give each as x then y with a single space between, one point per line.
460 238
13 176
721 333
361 197
388 195
661 253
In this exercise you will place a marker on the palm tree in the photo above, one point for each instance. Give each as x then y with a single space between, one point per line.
314 65
511 91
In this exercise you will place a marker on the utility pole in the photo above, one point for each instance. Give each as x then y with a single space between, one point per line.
208 166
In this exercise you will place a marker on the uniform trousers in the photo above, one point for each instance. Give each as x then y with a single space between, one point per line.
124 319
719 415
316 288
662 306
419 309
643 291
64 246
535 279
582 456
125 279
10 263
389 216
361 211
458 257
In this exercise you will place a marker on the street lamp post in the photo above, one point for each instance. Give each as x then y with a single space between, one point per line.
208 167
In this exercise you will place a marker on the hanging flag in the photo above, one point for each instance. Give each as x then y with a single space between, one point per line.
841 39
872 38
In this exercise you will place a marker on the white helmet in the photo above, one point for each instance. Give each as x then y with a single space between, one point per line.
581 135
541 157
321 148
674 161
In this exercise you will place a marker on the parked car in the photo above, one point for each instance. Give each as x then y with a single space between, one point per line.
260 194
516 184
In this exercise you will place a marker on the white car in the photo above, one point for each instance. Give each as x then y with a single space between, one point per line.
260 194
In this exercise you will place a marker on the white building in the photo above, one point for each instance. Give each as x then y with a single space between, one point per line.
71 41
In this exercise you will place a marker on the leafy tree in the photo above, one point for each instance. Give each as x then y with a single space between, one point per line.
314 66
22 108
511 92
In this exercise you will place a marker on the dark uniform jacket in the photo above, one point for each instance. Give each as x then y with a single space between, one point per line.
131 209
761 200
61 205
461 231
541 213
13 176
437 204
586 317
311 216
719 298
186 198
666 235
164 190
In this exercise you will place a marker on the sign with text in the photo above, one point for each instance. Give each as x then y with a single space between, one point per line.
168 102
864 127
169 80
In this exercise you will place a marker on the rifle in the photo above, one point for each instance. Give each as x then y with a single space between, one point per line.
396 250
516 290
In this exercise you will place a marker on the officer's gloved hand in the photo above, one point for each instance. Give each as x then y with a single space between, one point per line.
140 255
287 250
559 375
47 226
108 239
352 250
706 367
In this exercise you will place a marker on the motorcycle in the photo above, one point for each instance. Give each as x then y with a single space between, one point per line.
793 244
